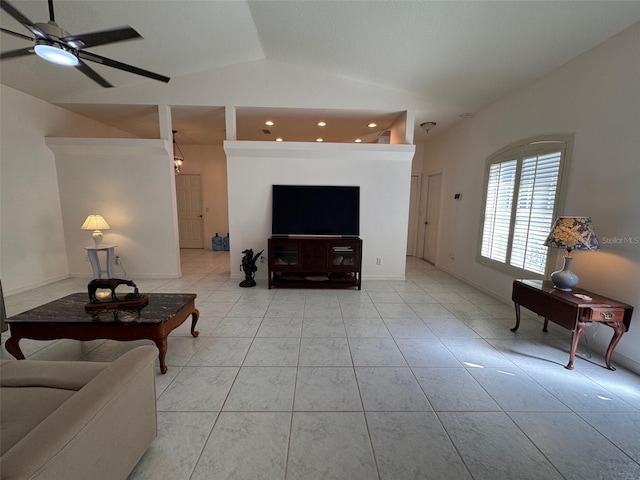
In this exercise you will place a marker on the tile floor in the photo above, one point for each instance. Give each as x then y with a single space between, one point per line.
415 379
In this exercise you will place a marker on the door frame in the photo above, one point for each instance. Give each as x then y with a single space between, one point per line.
422 214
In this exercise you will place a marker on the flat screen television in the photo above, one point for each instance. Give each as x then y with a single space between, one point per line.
316 210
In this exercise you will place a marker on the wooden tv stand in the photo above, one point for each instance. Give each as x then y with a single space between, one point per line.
315 262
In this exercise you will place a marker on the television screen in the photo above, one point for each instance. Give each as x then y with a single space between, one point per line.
315 210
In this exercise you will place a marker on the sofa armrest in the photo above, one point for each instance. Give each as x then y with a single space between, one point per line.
99 433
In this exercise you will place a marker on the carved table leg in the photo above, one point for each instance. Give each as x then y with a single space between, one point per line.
517 305
575 339
13 348
194 319
161 343
546 324
618 330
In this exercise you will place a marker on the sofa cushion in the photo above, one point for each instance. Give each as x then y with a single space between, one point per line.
23 408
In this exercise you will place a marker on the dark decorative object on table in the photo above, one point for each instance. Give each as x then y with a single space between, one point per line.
130 300
249 267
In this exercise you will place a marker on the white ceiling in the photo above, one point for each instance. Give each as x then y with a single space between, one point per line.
463 54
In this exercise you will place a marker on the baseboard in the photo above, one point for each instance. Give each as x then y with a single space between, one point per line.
31 286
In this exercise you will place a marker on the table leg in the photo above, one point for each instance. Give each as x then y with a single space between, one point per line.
161 343
517 305
575 339
194 319
618 330
546 324
13 348
95 263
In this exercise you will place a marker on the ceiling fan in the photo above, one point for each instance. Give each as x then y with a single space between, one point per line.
58 46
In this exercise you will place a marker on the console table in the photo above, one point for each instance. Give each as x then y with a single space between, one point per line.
67 318
315 262
575 311
92 252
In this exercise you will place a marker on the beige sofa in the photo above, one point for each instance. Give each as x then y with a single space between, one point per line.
76 420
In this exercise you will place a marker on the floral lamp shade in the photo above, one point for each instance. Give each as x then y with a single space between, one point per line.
573 233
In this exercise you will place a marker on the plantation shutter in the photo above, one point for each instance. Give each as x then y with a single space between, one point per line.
534 211
520 205
497 214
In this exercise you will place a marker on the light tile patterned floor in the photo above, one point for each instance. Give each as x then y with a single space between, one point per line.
415 379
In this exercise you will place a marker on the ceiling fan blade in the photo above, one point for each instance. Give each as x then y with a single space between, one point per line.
16 53
93 39
16 34
92 74
15 13
121 66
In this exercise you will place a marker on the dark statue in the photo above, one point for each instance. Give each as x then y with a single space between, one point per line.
249 267
111 284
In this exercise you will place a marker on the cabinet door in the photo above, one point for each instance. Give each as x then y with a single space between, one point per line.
314 254
285 255
343 257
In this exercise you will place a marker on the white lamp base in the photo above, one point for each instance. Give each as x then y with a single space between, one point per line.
565 280
97 237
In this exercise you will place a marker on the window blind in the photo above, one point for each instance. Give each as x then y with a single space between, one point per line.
520 204
497 215
534 211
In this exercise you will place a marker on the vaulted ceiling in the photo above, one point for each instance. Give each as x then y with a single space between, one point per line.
463 54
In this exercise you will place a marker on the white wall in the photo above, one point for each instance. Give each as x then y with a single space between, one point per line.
383 173
130 182
32 240
597 97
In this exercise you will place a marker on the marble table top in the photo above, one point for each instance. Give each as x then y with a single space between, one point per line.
70 309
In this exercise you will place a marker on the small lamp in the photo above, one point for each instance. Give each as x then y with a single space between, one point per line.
96 223
572 233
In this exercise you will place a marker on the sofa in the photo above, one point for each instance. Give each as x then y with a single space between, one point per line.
76 420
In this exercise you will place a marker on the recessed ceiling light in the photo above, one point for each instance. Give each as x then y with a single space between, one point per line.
319 139
278 139
268 122
372 125
358 140
322 124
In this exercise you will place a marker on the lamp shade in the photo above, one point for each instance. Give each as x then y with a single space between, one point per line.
95 222
573 233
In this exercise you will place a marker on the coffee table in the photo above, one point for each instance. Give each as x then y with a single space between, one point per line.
66 318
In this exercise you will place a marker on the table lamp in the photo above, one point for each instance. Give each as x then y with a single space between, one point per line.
96 223
572 233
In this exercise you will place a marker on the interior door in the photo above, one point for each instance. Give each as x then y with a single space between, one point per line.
413 215
189 199
432 221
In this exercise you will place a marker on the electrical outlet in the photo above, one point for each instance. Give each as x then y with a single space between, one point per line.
117 259
261 259
452 257
378 261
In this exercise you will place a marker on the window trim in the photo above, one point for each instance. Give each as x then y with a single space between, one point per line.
519 150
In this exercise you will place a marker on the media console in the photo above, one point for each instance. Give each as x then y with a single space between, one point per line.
315 262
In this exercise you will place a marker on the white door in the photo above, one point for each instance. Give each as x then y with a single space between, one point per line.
432 221
189 199
413 215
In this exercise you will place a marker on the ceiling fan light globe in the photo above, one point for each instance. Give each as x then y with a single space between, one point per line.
56 55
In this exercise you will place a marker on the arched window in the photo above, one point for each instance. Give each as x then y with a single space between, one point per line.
521 201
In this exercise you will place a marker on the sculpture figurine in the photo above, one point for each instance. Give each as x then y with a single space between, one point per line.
249 268
112 284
